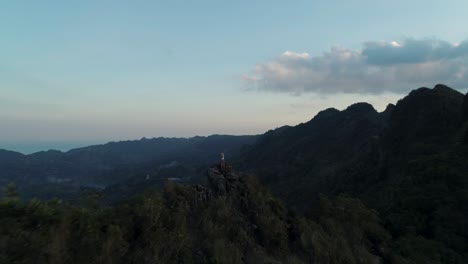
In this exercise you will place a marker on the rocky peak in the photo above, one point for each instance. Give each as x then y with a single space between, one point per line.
327 113
389 108
444 88
360 108
442 99
426 115
223 181
357 109
441 87
387 113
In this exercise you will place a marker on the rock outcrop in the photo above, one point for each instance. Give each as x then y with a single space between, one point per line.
222 181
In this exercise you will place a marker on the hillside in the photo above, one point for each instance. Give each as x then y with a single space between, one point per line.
408 163
232 220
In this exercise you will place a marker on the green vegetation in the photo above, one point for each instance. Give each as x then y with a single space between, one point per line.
247 225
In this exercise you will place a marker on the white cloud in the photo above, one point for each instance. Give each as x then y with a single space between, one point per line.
295 55
378 67
395 44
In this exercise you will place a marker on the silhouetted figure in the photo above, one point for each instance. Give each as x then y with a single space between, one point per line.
222 164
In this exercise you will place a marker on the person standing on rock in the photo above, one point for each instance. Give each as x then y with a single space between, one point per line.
222 165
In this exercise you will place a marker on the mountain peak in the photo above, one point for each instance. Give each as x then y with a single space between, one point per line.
389 107
388 111
427 114
327 113
442 88
360 108
439 92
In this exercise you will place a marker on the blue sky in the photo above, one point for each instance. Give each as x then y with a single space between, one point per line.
95 71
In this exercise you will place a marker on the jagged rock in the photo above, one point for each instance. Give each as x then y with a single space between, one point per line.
231 176
222 180
217 180
203 194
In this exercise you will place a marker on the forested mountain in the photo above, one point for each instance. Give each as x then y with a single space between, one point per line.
410 163
358 145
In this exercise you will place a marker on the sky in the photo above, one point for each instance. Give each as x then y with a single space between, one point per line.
74 73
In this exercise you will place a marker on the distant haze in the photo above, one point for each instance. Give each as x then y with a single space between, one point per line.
32 147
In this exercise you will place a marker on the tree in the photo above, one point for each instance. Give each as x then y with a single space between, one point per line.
10 192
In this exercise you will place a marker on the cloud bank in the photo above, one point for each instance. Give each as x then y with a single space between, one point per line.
379 67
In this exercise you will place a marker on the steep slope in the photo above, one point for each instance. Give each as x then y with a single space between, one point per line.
465 107
410 166
357 145
424 182
425 116
300 162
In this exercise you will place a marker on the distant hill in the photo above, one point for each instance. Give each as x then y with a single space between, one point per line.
43 173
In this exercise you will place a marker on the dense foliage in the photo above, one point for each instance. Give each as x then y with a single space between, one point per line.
243 226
